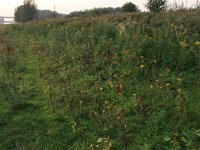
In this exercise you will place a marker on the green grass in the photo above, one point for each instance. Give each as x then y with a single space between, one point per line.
129 81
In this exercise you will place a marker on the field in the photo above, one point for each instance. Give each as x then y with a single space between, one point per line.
127 81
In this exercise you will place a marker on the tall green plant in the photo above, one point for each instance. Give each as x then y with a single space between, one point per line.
156 5
129 7
25 12
11 83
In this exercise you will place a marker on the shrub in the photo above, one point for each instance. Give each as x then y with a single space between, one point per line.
129 7
156 5
26 12
11 83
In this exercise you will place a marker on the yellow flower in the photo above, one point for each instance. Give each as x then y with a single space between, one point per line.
99 140
157 81
168 70
134 94
197 43
141 66
172 25
110 83
81 102
180 90
183 44
106 102
179 79
125 52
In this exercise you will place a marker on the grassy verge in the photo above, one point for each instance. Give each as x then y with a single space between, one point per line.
128 81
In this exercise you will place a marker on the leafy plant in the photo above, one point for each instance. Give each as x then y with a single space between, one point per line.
156 5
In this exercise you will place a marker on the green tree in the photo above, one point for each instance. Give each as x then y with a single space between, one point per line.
156 5
26 12
129 7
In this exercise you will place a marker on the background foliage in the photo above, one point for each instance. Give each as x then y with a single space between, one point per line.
156 5
25 12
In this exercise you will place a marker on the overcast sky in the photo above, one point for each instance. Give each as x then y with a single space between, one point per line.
7 7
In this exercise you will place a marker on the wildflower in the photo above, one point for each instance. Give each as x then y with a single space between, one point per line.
172 25
110 83
168 70
180 90
121 86
91 146
167 84
99 140
183 44
147 37
141 57
125 52
197 43
101 89
141 66
121 28
106 102
82 90
179 79
81 102
151 86
114 55
134 94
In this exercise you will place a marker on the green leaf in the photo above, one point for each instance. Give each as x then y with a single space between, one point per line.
167 138
184 139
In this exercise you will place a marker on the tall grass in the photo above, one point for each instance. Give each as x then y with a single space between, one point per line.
125 81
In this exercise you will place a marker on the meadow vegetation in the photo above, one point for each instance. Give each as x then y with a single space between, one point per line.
126 81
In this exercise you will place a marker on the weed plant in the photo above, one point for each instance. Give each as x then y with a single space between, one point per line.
128 81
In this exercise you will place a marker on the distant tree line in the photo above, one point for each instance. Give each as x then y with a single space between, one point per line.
42 14
28 11
128 7
95 12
